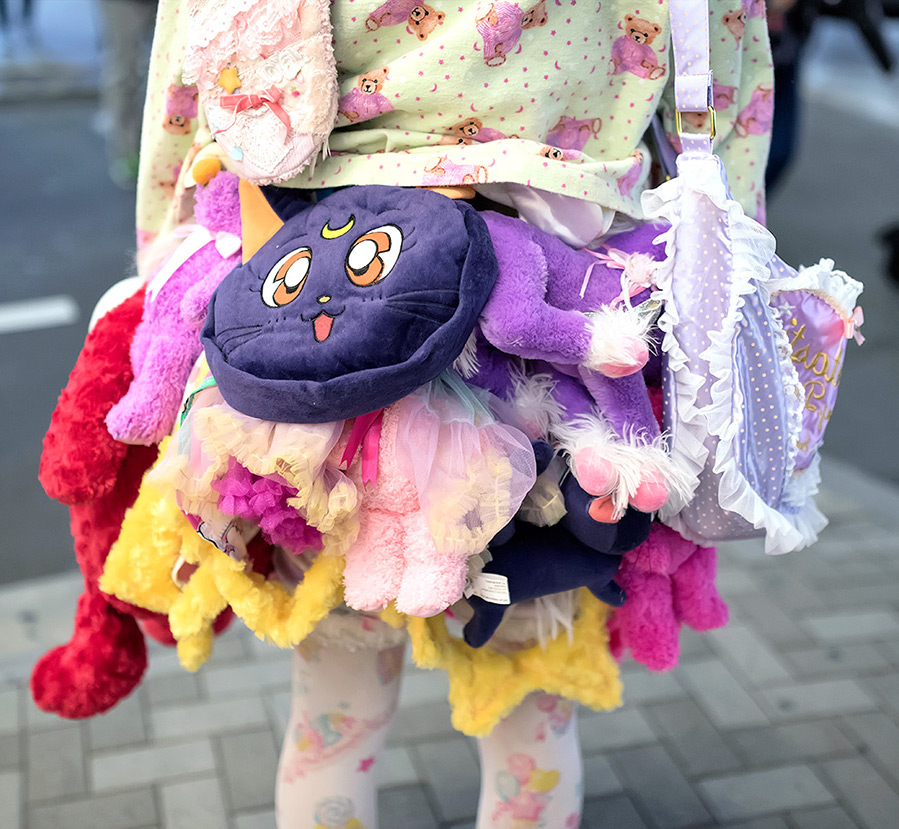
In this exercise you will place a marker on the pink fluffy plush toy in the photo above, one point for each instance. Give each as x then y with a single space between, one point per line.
167 342
669 582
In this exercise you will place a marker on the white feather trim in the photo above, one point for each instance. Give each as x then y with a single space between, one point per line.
532 398
630 456
553 614
467 362
612 334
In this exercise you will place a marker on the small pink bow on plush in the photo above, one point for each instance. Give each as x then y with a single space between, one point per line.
852 324
268 98
637 272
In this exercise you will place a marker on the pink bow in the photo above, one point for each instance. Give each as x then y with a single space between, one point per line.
852 324
637 272
366 432
268 97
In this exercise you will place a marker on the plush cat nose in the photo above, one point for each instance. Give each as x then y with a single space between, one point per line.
324 298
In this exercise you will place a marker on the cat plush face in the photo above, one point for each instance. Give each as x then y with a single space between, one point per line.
351 305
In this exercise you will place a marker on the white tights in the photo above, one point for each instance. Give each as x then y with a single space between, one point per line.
531 769
342 706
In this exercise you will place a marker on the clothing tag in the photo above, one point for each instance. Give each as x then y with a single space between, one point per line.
491 587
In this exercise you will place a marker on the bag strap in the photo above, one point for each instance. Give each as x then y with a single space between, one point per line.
693 76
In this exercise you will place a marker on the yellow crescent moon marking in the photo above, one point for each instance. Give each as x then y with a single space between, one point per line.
327 233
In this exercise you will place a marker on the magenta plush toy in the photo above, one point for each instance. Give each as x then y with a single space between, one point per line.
572 309
669 582
167 342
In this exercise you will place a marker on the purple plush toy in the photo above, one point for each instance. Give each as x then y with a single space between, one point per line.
572 309
167 342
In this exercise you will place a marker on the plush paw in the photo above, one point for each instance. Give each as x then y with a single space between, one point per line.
595 473
137 422
431 585
618 345
628 358
652 493
101 664
602 510
612 594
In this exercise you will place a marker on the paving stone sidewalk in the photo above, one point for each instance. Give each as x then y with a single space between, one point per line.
787 718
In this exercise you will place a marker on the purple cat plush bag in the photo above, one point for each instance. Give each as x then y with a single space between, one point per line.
353 304
738 387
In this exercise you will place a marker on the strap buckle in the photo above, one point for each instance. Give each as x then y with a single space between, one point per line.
713 126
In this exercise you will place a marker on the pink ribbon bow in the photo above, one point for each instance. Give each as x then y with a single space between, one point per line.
852 324
637 272
268 98
366 432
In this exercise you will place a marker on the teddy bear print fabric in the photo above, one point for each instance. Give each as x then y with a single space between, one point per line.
549 94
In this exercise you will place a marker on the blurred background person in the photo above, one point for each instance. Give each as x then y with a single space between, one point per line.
790 24
127 35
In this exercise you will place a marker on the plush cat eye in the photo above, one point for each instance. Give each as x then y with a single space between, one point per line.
374 255
285 280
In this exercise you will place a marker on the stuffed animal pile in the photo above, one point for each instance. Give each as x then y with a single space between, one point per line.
334 398
383 400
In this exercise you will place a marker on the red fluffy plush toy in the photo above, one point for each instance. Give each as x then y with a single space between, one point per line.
98 477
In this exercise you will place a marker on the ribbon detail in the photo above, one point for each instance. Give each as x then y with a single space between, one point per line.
637 272
852 324
267 98
366 432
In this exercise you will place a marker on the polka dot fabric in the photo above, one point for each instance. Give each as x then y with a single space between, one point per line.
554 94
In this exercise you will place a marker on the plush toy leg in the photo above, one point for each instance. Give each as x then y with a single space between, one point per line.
596 474
609 592
374 564
157 628
618 342
146 414
101 664
646 623
579 521
484 622
650 475
696 600
531 768
517 318
624 403
342 706
432 580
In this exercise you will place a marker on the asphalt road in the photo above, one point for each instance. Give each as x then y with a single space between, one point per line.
66 231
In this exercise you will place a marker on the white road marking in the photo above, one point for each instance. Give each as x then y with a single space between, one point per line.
34 314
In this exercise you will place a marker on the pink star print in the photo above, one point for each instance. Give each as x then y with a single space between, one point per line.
366 763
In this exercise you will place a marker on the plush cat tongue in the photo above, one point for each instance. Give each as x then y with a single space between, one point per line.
322 326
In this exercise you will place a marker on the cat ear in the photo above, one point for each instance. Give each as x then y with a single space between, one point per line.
257 219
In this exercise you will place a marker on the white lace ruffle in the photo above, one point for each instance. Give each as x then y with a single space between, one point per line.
752 249
220 31
837 287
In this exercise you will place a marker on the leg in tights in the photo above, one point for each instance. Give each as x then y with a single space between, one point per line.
342 706
531 769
